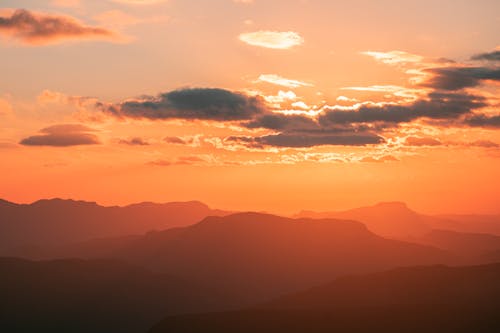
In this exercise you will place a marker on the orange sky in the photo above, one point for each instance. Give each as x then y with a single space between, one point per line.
252 105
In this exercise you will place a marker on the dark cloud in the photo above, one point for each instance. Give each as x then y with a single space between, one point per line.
62 136
137 141
175 140
484 144
421 141
488 56
482 120
36 28
436 106
306 140
194 103
456 78
280 122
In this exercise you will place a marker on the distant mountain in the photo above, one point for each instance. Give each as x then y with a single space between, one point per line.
470 245
258 256
98 296
489 224
28 229
414 299
396 220
390 219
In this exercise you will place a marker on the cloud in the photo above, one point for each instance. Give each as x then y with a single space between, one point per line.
280 121
488 56
456 78
435 106
244 1
136 141
484 144
272 39
185 160
421 141
281 81
193 141
394 57
63 135
381 159
307 140
42 29
192 103
481 120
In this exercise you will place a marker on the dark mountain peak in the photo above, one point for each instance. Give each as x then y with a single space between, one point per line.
175 204
55 202
6 203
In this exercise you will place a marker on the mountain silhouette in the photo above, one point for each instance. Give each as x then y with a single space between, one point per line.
475 223
471 246
396 220
28 229
256 256
412 299
99 296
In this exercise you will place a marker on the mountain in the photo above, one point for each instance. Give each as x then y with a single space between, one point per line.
28 229
469 245
98 296
396 220
489 224
256 256
389 219
411 299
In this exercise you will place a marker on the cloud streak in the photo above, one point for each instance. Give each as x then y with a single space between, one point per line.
63 135
281 81
41 29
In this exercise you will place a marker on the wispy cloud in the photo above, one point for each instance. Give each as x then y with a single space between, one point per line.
281 81
41 29
394 57
272 39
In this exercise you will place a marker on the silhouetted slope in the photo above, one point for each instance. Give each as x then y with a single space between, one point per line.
472 246
28 230
489 224
415 299
467 285
91 296
258 256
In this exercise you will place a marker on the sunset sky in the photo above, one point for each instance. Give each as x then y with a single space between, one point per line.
276 105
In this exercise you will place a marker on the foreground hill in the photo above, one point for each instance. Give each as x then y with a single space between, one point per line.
258 256
396 220
414 299
27 230
98 296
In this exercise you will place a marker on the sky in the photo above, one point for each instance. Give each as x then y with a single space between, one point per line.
276 105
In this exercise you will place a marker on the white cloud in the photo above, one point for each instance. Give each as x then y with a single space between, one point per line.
394 57
281 81
272 39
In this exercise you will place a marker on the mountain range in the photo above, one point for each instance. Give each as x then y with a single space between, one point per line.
410 299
